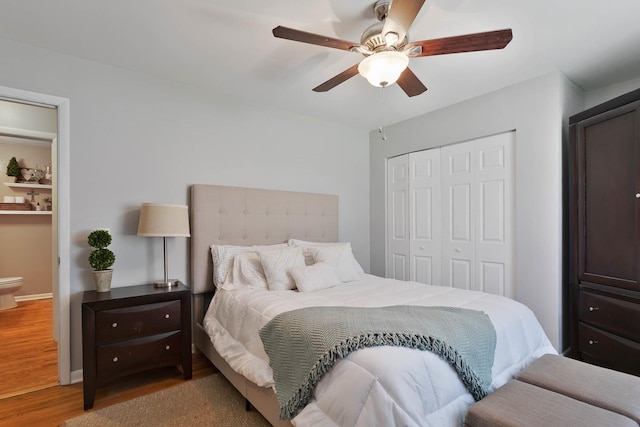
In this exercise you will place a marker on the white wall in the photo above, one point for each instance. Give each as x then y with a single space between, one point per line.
135 138
598 96
535 109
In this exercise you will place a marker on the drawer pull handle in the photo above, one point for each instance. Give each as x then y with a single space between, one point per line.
593 308
166 316
592 342
114 325
168 347
115 359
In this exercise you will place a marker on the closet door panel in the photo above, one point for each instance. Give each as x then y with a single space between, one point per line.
494 198
425 217
398 246
458 224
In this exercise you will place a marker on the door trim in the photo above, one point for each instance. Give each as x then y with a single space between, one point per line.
60 221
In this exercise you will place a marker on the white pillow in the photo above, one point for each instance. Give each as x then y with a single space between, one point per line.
340 257
247 271
277 264
315 277
223 255
308 256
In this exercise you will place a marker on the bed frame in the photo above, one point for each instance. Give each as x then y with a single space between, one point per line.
248 216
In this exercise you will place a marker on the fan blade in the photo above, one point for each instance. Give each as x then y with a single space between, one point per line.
401 15
335 81
304 37
410 83
467 43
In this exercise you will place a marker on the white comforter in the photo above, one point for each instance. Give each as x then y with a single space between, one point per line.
381 386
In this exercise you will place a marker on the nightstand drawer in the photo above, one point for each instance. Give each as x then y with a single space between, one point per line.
114 360
137 321
610 314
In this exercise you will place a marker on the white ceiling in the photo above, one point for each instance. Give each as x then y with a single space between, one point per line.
227 45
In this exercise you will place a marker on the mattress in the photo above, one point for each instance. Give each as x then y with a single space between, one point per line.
380 386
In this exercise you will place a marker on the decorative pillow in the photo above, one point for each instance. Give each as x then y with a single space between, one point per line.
277 264
247 271
315 277
223 255
340 257
308 256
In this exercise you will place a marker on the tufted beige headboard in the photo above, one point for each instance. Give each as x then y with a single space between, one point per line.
250 216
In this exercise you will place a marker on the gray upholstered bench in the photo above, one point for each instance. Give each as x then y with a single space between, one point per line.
557 391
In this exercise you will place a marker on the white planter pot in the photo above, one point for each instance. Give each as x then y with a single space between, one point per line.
103 280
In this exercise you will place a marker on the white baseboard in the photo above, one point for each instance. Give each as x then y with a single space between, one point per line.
76 376
33 297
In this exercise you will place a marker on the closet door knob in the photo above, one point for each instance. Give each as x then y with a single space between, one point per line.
458 250
421 247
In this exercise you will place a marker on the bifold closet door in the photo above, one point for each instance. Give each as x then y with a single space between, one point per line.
424 217
477 216
413 217
398 218
450 214
458 216
495 226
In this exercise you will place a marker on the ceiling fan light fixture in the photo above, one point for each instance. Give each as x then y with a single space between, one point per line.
383 68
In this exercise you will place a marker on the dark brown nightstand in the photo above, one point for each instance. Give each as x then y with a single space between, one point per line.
131 329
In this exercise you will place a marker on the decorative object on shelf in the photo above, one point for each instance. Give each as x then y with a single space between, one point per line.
164 221
47 177
48 203
17 203
31 176
101 259
13 169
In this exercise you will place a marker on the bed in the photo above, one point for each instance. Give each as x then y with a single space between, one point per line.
367 387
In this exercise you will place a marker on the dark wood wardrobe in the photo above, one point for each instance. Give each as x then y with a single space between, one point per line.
604 234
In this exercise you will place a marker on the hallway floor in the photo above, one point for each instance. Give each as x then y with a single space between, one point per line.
28 353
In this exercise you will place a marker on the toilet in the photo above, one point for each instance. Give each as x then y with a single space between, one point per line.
9 286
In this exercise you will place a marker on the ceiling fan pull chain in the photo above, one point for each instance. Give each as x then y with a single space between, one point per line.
381 128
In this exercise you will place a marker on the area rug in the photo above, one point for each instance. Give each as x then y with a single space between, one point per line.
210 401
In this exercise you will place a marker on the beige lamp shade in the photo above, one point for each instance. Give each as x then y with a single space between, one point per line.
158 220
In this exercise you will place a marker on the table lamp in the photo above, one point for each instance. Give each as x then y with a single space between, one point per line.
157 220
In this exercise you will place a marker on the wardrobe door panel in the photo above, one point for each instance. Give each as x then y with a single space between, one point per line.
608 165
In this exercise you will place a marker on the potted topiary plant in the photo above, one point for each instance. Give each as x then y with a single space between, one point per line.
101 259
13 169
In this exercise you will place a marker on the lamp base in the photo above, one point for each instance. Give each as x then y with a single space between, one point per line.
170 283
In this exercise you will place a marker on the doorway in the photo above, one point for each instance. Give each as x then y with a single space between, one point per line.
29 350
60 241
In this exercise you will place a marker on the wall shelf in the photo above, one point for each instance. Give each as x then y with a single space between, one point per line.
25 212
27 185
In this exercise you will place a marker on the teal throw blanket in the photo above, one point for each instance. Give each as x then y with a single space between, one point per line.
304 344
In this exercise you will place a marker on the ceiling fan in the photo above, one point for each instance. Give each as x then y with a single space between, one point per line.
387 49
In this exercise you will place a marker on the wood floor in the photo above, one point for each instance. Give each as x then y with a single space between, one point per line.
28 353
28 362
51 406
